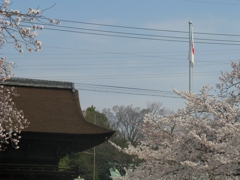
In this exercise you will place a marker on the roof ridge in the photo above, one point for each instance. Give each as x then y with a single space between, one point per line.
39 83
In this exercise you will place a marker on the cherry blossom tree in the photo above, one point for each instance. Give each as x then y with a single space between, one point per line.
21 30
201 141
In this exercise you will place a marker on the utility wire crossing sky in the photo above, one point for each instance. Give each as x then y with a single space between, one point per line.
131 45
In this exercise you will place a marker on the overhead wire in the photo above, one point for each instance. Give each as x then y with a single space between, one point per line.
107 66
147 29
171 39
128 64
120 26
136 76
125 90
145 36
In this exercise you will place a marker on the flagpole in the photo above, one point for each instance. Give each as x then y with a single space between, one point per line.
190 63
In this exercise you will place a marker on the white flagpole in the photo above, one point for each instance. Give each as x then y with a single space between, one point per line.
190 55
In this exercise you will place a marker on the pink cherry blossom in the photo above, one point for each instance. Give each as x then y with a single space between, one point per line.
201 141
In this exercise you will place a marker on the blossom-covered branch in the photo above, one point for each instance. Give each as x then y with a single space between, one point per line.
17 28
201 141
12 121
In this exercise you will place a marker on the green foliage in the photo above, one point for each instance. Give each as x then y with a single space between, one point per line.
95 117
82 161
106 155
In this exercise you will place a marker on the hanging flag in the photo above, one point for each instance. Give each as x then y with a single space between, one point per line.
191 45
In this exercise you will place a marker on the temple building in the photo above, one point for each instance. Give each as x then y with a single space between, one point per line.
57 127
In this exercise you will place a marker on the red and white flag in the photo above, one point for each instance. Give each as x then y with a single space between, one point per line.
191 47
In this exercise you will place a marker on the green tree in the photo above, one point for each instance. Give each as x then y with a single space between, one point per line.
107 156
122 120
81 161
95 117
84 160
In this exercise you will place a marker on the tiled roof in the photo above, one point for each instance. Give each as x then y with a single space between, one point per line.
51 107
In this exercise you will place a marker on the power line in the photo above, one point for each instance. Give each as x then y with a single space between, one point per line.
117 32
146 36
119 36
125 90
89 51
119 26
146 29
106 66
202 41
142 76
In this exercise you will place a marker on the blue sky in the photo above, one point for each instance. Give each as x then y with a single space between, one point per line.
132 62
